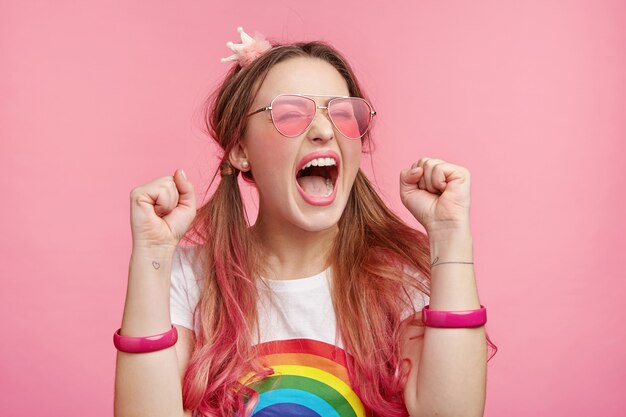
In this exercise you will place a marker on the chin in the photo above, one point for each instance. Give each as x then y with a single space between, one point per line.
321 220
319 227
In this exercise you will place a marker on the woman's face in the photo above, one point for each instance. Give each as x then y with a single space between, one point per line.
312 199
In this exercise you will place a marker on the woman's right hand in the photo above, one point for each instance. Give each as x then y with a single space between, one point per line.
161 211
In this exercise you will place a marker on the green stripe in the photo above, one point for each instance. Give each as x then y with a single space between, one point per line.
325 392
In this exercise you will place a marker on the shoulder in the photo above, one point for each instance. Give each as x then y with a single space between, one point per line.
184 286
187 254
185 274
414 273
416 278
185 260
416 289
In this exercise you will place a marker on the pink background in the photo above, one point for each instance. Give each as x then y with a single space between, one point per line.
529 96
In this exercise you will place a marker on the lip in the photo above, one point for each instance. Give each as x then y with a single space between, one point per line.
319 201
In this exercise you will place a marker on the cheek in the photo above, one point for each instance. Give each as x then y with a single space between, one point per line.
353 152
272 162
273 155
266 147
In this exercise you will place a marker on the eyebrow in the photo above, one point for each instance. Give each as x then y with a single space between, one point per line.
291 98
321 95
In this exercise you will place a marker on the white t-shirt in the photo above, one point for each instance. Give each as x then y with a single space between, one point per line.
297 327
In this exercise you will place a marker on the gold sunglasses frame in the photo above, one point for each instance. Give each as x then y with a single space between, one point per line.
308 96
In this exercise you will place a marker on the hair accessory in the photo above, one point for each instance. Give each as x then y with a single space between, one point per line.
449 319
249 49
145 344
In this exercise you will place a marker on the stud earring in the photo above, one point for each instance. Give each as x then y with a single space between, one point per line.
245 165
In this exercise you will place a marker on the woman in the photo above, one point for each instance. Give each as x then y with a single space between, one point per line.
317 308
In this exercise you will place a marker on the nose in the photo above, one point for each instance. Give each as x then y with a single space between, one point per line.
321 128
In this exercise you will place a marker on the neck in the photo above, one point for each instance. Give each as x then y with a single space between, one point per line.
288 252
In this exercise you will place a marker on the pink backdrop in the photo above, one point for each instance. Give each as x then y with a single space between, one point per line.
529 96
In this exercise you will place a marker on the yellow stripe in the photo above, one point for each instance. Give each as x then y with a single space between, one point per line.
322 376
307 359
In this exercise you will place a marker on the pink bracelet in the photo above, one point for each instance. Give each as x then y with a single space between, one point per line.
450 319
145 344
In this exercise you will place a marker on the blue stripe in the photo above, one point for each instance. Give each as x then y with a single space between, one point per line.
286 409
295 396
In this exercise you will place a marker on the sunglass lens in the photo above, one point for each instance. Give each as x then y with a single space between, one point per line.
292 114
352 116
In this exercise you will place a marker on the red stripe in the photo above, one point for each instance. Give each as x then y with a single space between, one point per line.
313 347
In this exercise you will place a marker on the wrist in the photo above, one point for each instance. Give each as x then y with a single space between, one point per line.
451 235
160 252
449 231
156 260
451 246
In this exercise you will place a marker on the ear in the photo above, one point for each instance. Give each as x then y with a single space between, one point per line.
238 157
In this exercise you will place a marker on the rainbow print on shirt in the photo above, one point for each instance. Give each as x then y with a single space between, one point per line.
310 380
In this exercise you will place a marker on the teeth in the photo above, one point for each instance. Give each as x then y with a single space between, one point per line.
329 187
320 162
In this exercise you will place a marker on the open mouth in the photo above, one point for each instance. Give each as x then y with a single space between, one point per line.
317 178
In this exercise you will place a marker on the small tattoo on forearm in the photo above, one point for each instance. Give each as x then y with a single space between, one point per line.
436 262
156 265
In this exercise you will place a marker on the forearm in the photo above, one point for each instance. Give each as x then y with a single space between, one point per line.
147 384
453 365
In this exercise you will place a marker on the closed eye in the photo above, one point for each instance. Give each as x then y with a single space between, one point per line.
290 116
343 115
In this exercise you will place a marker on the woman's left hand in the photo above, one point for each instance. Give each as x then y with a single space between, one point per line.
437 193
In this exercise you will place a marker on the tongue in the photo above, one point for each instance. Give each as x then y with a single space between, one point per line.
313 185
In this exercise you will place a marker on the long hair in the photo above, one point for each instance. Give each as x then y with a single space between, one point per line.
374 260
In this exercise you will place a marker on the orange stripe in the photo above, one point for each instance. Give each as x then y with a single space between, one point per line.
315 347
306 359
